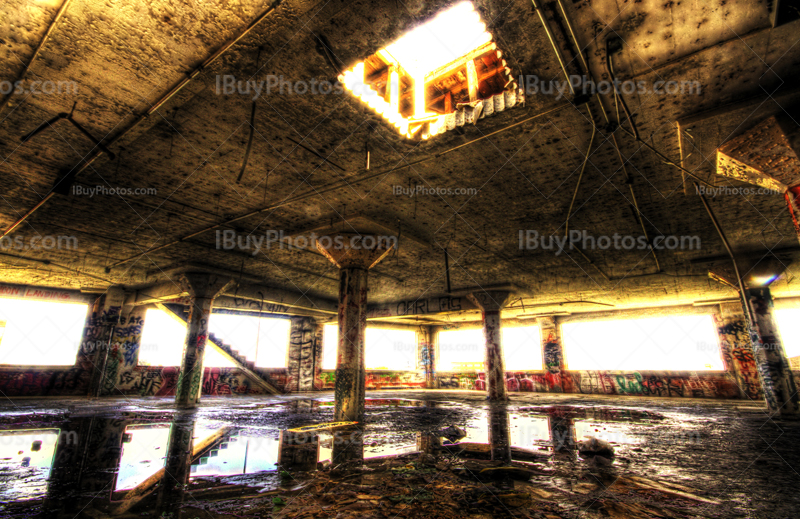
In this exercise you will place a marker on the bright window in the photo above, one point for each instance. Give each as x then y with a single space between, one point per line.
385 348
163 338
789 328
461 350
522 348
670 343
264 340
465 350
41 333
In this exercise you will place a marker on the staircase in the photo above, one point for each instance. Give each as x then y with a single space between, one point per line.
246 366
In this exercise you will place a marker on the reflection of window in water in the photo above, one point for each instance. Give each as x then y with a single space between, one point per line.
528 432
26 458
609 431
145 449
374 445
237 454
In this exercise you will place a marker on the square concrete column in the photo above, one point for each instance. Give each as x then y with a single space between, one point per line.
491 302
558 381
736 347
779 387
97 336
202 288
426 355
354 255
303 358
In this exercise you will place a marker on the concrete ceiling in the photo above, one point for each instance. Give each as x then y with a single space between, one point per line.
125 55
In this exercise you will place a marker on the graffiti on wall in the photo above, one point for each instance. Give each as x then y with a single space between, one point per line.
661 384
379 379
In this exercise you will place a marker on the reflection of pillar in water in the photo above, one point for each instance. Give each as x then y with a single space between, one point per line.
428 442
348 445
298 450
63 484
499 441
177 465
562 433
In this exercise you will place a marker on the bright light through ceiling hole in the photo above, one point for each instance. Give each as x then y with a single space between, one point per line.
452 55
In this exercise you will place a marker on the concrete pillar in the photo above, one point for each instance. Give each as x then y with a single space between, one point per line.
490 303
97 336
303 358
736 348
202 288
557 378
354 258
779 387
319 335
177 465
426 355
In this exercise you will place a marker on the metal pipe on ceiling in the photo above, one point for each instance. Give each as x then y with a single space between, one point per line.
21 76
75 171
742 294
628 179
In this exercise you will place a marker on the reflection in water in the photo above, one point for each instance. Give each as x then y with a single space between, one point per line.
114 464
145 449
237 454
28 456
172 487
498 433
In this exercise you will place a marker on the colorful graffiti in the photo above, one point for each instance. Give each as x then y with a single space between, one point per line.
661 384
379 379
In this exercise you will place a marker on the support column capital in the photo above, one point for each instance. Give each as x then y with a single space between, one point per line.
490 300
354 250
202 285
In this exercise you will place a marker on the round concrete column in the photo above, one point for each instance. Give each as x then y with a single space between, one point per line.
354 254
350 368
202 288
490 303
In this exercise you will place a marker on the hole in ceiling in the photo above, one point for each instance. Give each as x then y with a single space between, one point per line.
454 59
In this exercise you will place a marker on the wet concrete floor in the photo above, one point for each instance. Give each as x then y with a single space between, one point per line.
245 457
